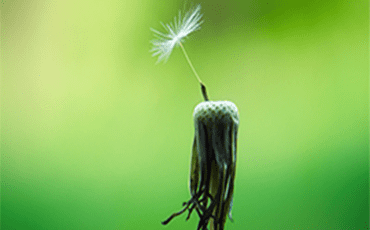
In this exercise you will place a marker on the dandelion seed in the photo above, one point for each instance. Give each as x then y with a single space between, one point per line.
176 33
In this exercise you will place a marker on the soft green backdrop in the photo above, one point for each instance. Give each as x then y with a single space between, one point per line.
94 135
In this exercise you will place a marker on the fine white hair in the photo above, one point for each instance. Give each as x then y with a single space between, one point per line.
175 33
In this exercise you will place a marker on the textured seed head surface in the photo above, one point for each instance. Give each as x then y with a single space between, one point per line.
214 111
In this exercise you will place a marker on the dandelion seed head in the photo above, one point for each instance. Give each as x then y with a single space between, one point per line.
175 33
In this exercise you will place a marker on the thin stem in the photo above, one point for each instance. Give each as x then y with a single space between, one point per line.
204 91
191 65
203 87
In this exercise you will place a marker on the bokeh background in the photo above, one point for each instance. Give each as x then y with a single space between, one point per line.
95 135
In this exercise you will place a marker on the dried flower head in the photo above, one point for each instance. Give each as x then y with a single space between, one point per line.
213 163
175 33
216 131
216 124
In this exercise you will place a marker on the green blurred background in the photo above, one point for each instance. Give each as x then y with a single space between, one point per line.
94 135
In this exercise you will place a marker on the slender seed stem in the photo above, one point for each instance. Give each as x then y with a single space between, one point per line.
191 65
203 87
